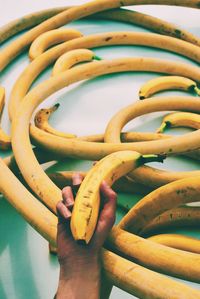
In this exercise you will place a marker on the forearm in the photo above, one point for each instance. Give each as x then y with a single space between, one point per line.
83 283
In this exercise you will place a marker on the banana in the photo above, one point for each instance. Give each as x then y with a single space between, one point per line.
126 275
124 184
35 213
179 217
160 200
5 142
87 202
15 48
25 158
166 83
31 72
51 38
180 119
142 282
170 261
124 15
41 121
178 241
67 60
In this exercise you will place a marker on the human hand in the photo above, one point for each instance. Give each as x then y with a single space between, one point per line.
81 262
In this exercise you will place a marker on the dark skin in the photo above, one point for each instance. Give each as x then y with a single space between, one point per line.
80 266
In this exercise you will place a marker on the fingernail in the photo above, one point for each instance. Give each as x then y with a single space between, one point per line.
67 213
77 179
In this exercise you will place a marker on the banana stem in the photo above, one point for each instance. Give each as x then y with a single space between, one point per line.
197 90
95 57
56 106
151 158
165 125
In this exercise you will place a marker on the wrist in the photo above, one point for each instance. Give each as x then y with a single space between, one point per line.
82 281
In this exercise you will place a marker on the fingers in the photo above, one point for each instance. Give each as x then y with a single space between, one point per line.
107 215
68 197
77 179
65 206
63 212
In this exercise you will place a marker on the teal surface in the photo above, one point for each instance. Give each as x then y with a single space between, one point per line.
27 270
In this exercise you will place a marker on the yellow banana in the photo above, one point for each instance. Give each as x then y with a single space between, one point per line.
74 13
67 60
165 83
124 15
86 207
179 217
41 121
180 119
25 80
160 200
123 273
25 158
50 38
5 142
178 241
124 184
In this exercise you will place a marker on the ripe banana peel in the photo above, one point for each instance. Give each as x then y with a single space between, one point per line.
41 121
5 142
166 83
86 208
180 119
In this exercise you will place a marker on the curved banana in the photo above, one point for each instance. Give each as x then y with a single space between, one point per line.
124 184
5 142
41 121
130 277
26 161
46 223
86 207
166 83
51 38
124 15
160 200
14 49
179 217
67 60
155 256
31 72
23 150
178 241
180 119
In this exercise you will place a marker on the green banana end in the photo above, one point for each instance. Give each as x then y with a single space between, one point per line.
95 57
165 125
151 158
56 106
